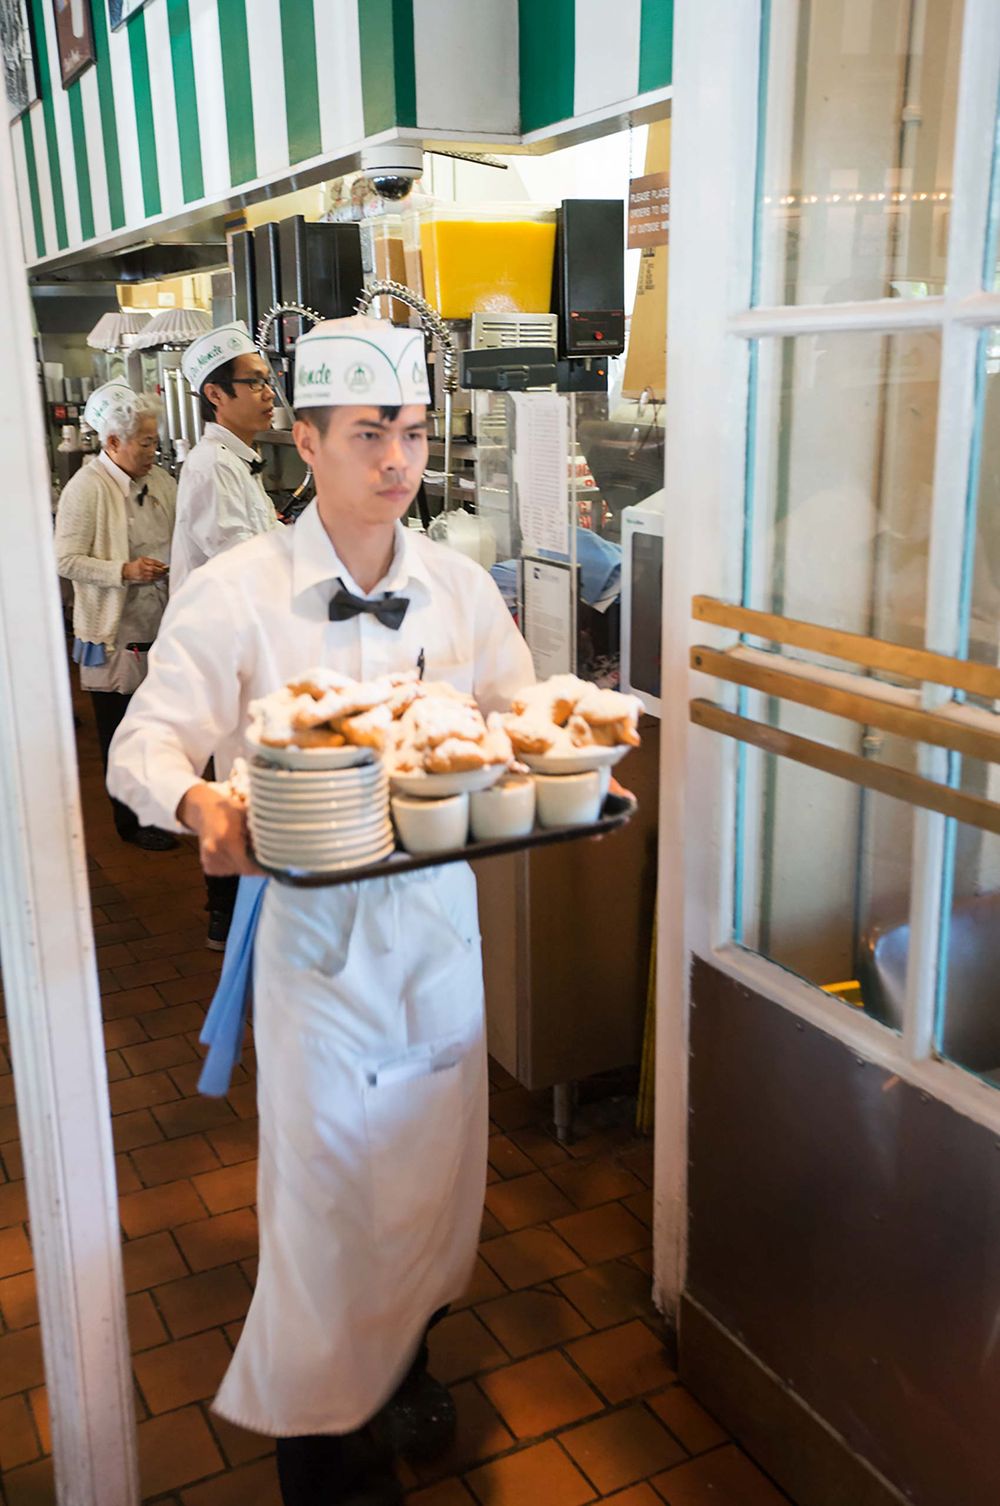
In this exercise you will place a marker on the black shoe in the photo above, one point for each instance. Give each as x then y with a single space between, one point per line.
353 1469
218 930
387 1492
151 839
419 1423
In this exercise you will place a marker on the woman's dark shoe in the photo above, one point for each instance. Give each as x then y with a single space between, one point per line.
152 839
218 930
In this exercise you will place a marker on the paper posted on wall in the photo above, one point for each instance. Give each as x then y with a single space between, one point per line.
548 616
541 471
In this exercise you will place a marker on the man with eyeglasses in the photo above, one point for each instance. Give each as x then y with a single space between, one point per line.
221 499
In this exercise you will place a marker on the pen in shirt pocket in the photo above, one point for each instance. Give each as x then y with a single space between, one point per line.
421 665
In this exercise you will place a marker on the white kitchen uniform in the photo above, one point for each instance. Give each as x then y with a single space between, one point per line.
368 1000
220 502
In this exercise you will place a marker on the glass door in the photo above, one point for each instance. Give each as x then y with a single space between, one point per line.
831 802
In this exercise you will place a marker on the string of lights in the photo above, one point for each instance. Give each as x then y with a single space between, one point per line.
786 200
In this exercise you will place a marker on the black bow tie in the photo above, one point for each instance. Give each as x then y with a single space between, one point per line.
140 497
256 466
388 610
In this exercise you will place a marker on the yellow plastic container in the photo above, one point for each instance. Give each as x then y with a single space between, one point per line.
488 261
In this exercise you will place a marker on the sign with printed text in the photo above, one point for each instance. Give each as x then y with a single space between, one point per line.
649 211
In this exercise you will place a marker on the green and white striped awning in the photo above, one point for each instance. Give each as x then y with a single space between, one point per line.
191 100
581 56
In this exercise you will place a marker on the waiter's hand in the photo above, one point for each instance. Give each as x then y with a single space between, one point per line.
220 824
143 570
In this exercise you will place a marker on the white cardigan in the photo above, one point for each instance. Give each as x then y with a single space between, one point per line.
91 541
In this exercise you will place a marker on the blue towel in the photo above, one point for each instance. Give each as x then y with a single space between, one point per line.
504 572
222 1031
90 655
600 564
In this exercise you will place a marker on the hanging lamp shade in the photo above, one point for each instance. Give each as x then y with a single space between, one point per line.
174 327
113 331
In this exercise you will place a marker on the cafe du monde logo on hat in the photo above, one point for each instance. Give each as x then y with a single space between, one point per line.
358 377
204 357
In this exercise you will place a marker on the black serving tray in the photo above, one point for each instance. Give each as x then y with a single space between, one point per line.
617 810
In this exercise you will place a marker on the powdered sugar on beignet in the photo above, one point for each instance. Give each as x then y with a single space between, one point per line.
444 733
553 699
324 708
564 713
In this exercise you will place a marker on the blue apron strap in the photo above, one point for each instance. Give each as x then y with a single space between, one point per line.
222 1031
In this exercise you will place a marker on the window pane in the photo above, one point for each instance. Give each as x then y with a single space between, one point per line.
826 870
991 264
842 479
983 583
969 1017
858 140
838 534
969 1021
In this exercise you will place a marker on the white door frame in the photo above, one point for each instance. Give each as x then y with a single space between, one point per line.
710 332
47 944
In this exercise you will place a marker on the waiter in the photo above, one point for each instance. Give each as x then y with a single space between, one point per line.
368 997
221 499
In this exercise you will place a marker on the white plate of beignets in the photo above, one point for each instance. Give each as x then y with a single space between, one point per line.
442 745
325 720
565 725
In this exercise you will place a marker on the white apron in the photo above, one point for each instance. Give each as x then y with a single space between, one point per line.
372 1093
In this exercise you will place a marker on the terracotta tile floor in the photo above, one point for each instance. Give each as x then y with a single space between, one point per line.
563 1383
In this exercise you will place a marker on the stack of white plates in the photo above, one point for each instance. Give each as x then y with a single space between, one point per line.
319 821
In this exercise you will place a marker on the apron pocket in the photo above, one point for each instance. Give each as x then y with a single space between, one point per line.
414 1126
310 929
454 899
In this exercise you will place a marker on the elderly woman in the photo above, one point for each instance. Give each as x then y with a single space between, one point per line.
113 529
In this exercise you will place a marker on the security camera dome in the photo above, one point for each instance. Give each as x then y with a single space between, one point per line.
392 170
394 186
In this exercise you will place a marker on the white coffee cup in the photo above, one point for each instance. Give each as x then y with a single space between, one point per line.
568 799
431 825
505 810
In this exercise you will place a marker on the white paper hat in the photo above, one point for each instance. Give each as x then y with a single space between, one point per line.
210 351
360 362
100 401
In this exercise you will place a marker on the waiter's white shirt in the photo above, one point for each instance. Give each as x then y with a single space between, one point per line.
219 502
252 619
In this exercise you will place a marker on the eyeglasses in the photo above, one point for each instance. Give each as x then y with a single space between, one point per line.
256 384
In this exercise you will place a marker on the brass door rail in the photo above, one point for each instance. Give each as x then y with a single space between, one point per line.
899 783
853 648
868 710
